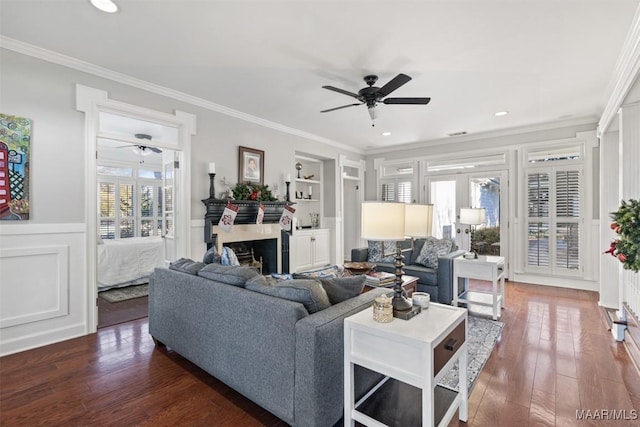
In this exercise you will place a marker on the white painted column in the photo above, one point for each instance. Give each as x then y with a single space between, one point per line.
630 188
609 200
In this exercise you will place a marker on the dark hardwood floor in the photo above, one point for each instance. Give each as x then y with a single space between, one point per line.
112 313
555 355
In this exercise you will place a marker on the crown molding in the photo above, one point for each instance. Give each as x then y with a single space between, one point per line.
86 67
539 127
624 75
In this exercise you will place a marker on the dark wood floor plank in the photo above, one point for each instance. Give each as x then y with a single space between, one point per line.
554 356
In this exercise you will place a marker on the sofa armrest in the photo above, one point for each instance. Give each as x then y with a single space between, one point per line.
445 276
359 254
319 374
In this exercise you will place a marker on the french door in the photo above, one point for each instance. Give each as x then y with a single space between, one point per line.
449 193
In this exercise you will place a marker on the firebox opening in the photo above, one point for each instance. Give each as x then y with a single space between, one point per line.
254 252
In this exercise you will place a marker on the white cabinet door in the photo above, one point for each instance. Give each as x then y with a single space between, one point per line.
321 243
301 251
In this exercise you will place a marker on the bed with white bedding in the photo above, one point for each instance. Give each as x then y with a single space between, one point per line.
125 262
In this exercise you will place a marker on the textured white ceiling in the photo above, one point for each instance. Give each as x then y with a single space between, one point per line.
540 60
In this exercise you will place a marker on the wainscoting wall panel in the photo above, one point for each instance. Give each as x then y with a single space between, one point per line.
28 296
43 286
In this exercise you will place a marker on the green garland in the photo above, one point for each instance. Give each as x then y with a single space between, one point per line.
257 192
626 223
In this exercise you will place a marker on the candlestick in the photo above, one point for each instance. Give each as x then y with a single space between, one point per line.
212 167
288 178
212 185
287 198
310 191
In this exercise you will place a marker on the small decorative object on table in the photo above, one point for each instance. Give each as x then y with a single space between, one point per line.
421 298
359 267
382 309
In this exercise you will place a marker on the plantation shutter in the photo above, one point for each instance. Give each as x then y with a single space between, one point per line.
568 214
396 190
107 195
553 215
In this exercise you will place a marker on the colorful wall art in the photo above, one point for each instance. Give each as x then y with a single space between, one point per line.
15 148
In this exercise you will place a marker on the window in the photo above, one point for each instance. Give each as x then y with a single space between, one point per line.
553 216
129 206
396 190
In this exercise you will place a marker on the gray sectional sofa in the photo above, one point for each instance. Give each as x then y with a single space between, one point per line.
269 349
438 282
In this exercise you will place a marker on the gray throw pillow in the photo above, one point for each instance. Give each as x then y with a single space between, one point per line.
235 275
309 292
431 250
343 288
186 265
211 255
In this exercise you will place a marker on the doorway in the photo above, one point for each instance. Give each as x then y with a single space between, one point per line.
113 120
449 193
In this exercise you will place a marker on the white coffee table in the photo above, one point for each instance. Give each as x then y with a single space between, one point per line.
413 355
483 268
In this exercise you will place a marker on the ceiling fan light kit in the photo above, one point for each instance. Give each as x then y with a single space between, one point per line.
372 95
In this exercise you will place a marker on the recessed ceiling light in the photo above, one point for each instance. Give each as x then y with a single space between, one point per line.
105 5
386 133
501 113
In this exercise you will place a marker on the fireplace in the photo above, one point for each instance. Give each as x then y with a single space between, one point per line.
258 253
265 240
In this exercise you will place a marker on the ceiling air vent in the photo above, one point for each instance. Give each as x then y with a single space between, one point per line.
458 133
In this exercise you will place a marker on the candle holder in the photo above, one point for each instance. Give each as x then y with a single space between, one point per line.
212 186
287 198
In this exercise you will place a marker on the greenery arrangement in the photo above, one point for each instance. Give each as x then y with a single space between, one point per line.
626 223
257 192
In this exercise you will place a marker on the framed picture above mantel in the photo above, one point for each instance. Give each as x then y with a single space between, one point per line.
250 165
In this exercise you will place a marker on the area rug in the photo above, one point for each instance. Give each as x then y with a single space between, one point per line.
481 338
123 294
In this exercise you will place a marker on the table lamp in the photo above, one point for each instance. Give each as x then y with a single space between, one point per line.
390 221
472 217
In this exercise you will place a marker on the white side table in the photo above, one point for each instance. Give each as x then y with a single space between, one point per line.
413 355
483 268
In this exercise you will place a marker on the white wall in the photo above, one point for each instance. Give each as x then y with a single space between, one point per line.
45 93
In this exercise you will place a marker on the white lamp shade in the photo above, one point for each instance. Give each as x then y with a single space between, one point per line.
383 221
418 220
473 216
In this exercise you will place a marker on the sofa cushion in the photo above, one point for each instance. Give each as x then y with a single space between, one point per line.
309 292
431 250
377 250
235 275
212 255
187 265
425 275
342 288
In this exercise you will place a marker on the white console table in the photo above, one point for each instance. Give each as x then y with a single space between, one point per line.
413 355
483 268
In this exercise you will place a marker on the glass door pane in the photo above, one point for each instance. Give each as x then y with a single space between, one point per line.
484 192
443 197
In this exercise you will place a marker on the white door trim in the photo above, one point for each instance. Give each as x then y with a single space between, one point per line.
92 101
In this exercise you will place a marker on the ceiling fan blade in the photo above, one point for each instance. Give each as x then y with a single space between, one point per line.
342 91
394 84
338 108
155 149
412 101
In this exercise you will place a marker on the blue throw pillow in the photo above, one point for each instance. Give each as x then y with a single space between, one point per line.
432 249
211 255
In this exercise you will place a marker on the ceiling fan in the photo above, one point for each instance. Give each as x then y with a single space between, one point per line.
142 149
371 95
